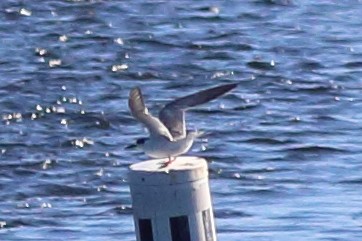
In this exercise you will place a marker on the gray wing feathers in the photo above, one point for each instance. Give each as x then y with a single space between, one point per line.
140 112
174 120
173 114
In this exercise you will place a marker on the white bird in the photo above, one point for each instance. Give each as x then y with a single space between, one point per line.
168 136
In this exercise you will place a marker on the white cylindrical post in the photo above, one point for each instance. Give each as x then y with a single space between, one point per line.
172 203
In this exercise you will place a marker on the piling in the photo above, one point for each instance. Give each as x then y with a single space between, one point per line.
172 203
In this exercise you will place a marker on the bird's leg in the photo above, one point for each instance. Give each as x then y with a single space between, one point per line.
169 161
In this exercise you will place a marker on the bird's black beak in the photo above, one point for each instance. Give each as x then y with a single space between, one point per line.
130 147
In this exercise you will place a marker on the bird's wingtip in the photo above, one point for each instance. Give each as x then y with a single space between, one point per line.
135 90
135 101
227 87
232 85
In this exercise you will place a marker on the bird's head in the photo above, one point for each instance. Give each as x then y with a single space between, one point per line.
139 143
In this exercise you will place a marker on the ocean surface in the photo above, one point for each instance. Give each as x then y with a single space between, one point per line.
284 148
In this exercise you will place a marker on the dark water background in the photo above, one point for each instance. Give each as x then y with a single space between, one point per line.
285 148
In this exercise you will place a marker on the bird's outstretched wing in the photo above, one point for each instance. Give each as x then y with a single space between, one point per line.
173 114
140 112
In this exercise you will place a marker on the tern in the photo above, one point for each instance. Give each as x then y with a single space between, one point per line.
168 137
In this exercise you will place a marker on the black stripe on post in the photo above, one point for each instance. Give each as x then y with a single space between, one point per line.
180 230
145 228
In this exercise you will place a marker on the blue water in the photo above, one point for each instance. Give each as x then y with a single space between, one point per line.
284 148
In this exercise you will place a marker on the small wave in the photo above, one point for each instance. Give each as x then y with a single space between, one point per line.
145 75
316 149
50 189
225 213
355 64
269 141
260 65
263 192
311 65
220 44
78 143
351 181
312 87
153 42
219 56
276 2
123 210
